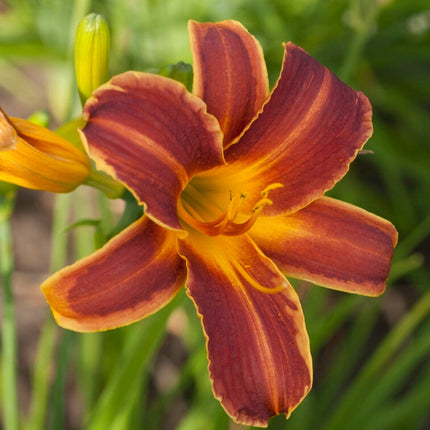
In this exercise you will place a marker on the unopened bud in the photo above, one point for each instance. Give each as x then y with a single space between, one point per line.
181 72
92 46
34 157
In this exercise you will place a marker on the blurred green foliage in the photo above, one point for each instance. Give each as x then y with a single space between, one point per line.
370 355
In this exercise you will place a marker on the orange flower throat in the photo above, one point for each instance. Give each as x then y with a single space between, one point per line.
212 216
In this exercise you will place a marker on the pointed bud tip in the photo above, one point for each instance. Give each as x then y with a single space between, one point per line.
8 134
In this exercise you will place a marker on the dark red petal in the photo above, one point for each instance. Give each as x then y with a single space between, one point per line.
330 243
152 135
131 277
258 347
229 73
310 130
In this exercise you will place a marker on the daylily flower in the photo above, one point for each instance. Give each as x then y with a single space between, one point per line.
232 180
34 157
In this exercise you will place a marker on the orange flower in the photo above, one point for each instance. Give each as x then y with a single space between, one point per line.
232 179
34 157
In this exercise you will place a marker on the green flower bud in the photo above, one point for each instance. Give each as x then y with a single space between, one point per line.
92 45
181 72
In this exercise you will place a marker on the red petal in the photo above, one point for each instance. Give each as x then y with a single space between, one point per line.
229 73
258 347
131 277
152 135
307 135
330 243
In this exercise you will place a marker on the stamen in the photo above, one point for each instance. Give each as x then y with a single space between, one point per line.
225 224
255 284
233 229
209 228
271 187
265 201
234 205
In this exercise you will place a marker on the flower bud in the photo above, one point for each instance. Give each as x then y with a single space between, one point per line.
92 45
181 72
34 157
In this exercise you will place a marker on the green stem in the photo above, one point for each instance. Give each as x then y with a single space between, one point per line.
9 345
41 376
60 378
88 346
46 348
58 260
99 180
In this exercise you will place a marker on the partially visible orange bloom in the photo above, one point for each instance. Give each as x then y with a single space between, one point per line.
34 157
232 179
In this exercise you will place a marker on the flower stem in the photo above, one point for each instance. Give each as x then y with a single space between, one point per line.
9 345
99 180
58 260
63 359
41 376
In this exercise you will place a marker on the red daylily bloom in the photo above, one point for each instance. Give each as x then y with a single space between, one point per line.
232 179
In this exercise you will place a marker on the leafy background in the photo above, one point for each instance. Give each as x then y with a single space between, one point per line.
371 356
